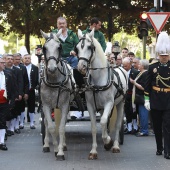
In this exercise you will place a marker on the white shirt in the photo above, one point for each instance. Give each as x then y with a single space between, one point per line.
28 67
129 73
2 81
63 37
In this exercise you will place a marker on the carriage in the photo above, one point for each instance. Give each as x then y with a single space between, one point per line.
99 90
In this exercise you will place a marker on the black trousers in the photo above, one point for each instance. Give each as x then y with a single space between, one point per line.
128 109
4 112
161 122
30 103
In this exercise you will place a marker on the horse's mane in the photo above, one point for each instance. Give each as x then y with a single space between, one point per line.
100 51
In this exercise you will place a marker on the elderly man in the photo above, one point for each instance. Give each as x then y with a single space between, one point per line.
131 116
33 77
157 94
135 63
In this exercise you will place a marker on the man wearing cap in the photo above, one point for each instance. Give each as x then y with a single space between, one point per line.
6 101
157 94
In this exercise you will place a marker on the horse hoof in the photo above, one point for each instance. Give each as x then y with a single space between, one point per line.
60 158
109 145
65 148
116 150
92 156
46 149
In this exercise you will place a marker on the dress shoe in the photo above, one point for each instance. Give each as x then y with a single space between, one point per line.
12 133
127 132
159 151
3 147
167 156
73 117
141 134
134 132
8 133
17 131
21 127
32 127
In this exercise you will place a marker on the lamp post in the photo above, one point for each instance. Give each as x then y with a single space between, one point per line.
39 52
116 49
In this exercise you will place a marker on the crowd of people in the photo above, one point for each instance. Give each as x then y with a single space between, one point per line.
18 81
148 87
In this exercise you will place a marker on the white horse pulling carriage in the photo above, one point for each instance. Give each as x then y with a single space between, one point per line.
105 88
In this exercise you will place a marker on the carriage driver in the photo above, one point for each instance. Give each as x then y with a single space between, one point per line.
68 41
157 94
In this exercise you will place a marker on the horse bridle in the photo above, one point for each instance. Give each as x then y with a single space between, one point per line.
92 48
52 57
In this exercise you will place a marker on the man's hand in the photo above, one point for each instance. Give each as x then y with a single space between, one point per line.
73 53
26 96
147 103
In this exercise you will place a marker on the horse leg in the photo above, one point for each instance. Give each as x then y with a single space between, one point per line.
108 143
93 152
51 127
115 148
60 154
46 147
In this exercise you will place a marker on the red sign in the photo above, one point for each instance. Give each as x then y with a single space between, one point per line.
158 20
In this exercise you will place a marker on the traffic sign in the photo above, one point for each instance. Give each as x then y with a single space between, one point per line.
158 20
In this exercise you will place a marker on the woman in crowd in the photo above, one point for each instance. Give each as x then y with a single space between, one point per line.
138 97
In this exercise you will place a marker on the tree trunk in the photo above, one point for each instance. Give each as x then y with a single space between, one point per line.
27 41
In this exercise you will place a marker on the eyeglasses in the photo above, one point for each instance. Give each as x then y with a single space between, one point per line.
2 62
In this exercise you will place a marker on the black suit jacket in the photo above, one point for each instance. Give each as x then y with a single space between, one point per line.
19 79
34 76
132 75
25 79
14 81
10 87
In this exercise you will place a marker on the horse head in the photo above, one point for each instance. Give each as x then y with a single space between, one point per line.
51 50
85 50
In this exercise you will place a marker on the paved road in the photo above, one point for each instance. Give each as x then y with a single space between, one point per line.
25 152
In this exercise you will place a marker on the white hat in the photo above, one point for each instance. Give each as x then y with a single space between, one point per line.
23 51
163 44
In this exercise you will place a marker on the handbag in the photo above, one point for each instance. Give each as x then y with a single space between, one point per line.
139 99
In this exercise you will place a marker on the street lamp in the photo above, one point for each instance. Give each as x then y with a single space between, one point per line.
39 52
116 49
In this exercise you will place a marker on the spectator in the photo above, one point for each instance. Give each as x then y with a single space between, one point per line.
33 77
135 63
138 91
131 116
124 53
119 60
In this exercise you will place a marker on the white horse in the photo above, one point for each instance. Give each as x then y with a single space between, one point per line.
56 87
105 89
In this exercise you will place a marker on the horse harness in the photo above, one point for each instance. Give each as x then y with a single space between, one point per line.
64 71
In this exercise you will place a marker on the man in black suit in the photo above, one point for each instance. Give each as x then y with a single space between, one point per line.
33 77
131 116
6 100
17 63
14 123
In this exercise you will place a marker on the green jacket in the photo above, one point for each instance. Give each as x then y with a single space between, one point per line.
99 36
69 44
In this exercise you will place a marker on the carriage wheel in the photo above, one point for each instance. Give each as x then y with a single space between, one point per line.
121 134
42 127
